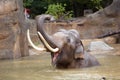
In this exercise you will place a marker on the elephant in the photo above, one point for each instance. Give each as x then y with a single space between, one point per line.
67 50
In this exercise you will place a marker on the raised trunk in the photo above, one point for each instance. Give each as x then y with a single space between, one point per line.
40 27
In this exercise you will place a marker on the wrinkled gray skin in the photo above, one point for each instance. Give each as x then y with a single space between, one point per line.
71 53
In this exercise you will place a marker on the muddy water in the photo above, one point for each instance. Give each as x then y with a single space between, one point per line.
38 67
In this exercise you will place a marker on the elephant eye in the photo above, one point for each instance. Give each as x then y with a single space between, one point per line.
68 39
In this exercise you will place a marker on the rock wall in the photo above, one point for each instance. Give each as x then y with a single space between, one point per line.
13 41
87 31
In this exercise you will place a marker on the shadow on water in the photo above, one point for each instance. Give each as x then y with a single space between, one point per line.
38 67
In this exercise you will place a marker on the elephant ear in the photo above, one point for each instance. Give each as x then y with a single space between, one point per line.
79 52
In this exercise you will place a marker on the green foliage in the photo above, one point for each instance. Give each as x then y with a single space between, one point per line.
58 8
97 4
27 3
58 11
36 7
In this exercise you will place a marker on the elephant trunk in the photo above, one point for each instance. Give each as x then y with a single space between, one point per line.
44 37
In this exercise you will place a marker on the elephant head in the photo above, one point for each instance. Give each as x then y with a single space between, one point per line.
66 48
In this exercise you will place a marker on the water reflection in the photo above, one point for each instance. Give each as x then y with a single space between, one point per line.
38 67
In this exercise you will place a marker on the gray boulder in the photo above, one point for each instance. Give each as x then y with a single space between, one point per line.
99 45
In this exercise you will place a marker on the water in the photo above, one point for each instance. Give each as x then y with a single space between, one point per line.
38 67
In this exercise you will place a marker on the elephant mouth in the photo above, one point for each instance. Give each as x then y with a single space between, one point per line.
55 57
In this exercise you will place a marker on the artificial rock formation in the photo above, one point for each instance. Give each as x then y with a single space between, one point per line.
104 22
13 41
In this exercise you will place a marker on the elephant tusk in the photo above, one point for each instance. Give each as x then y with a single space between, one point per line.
30 41
47 45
